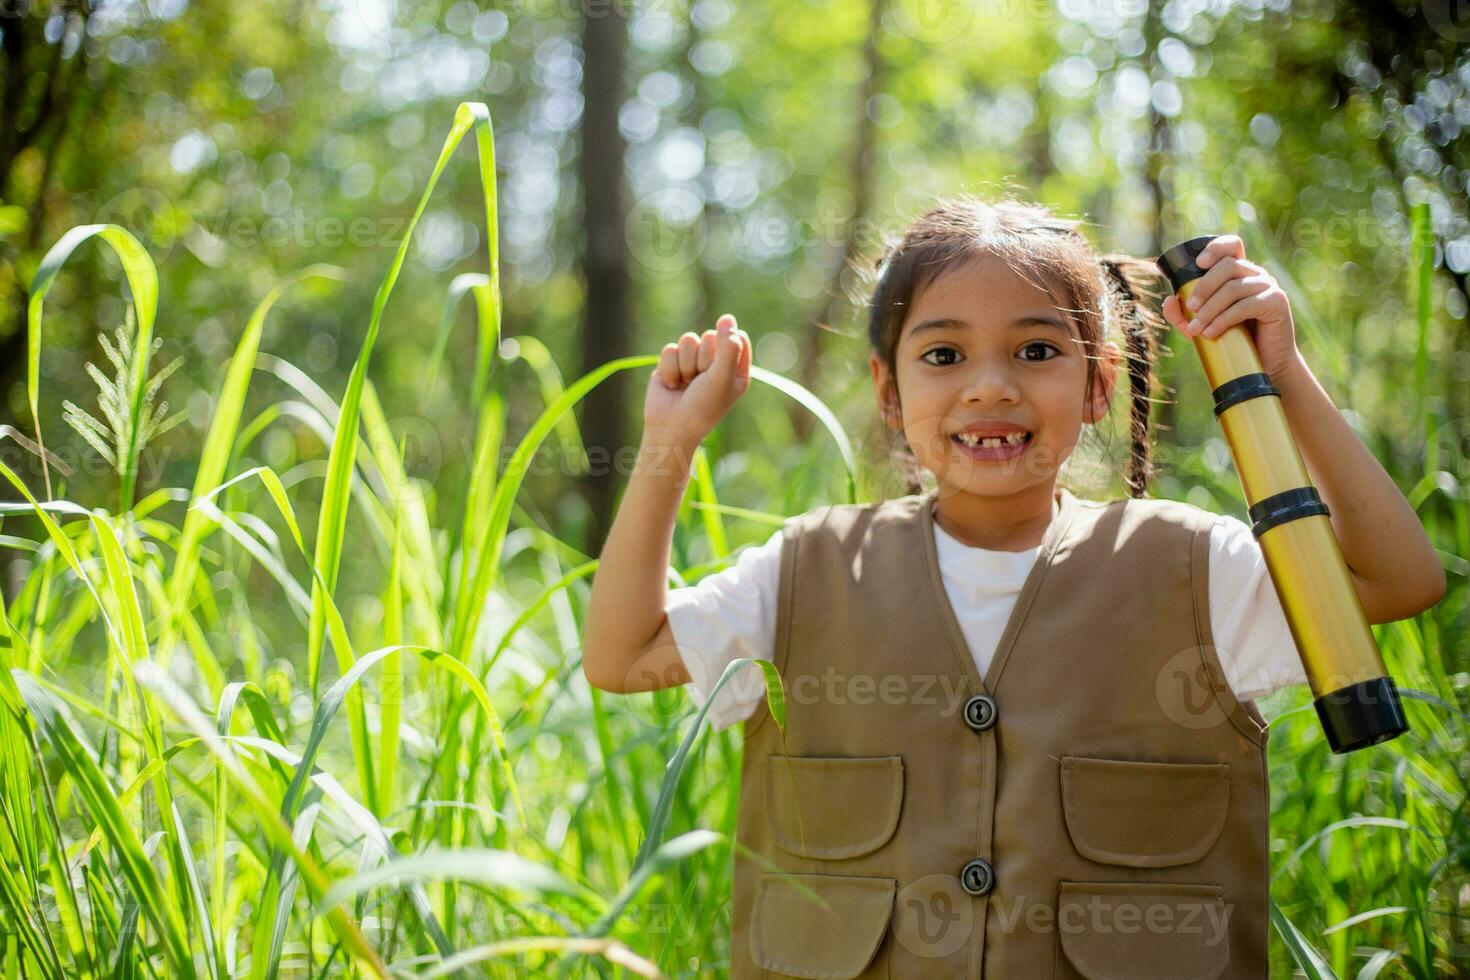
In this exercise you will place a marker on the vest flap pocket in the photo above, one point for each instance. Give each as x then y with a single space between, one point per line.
831 934
1144 930
833 807
1144 814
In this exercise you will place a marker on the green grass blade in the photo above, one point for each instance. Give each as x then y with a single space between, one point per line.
775 698
102 803
120 581
469 283
825 415
530 349
356 714
704 487
333 519
1422 263
614 951
269 819
280 894
196 892
64 547
391 688
487 554
406 501
224 427
142 282
1306 957
497 869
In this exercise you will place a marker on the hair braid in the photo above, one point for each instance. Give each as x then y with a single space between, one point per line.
1138 331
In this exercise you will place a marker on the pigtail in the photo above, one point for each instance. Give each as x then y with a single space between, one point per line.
1125 277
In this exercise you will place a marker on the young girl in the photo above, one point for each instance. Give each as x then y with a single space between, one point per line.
1021 739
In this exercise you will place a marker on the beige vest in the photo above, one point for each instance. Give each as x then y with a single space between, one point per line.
1096 806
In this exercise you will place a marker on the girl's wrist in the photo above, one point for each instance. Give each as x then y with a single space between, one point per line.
1295 373
668 437
666 455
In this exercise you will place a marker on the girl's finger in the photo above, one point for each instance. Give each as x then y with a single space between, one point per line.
668 365
1250 308
1234 290
708 346
688 355
1222 246
1204 287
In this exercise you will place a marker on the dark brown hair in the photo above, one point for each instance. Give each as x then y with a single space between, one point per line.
1049 251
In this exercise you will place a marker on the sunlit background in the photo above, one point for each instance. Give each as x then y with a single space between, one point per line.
657 163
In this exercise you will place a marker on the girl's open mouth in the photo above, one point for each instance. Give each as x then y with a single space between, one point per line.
993 448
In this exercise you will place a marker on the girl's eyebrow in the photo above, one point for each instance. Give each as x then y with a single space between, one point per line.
951 323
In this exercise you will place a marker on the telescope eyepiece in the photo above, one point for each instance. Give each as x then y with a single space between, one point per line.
1178 262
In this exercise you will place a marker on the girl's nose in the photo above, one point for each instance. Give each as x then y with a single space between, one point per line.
988 383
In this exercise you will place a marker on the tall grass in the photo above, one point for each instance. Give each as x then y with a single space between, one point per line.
190 788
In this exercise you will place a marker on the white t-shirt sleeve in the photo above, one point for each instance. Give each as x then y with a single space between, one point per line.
725 616
1252 638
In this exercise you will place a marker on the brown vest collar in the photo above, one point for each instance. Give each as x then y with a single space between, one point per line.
922 523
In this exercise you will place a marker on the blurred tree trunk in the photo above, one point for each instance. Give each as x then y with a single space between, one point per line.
606 320
1160 149
41 89
701 305
1038 144
860 183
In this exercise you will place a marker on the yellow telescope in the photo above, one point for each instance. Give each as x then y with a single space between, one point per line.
1357 702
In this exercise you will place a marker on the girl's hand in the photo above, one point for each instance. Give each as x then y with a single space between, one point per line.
1234 290
697 380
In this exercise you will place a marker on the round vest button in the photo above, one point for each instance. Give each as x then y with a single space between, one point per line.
980 712
977 877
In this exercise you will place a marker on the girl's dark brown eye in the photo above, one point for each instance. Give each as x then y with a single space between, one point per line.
1043 346
938 350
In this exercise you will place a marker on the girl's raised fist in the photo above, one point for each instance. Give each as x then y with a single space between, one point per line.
698 379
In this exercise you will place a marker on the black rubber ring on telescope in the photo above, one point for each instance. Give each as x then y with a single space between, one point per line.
1288 505
1362 714
1179 262
1243 388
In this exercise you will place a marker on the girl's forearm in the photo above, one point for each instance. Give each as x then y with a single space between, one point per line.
1398 573
626 608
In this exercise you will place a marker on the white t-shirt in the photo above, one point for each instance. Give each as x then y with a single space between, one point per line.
732 614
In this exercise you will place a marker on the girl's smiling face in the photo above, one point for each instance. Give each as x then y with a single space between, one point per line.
984 350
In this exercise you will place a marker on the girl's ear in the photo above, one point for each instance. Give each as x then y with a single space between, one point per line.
886 391
1102 384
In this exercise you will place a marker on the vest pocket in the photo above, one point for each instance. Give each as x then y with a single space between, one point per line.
1144 814
833 807
792 934
1141 930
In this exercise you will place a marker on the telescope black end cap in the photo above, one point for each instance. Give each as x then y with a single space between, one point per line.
1362 714
1178 263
